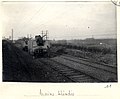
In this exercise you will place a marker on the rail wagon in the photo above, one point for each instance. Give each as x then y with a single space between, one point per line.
38 47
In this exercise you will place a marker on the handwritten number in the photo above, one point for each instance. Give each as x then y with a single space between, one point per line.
108 86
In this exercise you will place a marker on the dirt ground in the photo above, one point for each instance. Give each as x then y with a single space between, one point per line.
19 66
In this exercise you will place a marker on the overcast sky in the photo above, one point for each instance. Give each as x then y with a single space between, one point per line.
62 20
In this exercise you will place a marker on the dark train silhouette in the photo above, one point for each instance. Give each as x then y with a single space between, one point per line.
38 46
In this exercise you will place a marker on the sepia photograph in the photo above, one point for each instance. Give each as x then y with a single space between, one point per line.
59 42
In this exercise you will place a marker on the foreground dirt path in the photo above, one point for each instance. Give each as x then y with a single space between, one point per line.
18 66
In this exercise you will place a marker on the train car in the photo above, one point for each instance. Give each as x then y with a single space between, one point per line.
38 47
25 45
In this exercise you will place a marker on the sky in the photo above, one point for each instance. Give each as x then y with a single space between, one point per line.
63 20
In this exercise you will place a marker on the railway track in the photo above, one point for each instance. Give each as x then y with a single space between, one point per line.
107 68
71 73
102 72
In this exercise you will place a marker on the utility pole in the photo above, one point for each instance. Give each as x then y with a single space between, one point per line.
27 35
42 33
30 36
46 34
12 35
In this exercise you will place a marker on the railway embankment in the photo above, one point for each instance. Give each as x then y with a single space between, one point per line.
18 66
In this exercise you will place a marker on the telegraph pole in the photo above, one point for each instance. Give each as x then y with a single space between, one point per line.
46 34
27 35
12 35
30 36
42 33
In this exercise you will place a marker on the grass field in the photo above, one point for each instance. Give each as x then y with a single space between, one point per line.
100 50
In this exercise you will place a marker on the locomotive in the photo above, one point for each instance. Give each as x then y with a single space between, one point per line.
38 47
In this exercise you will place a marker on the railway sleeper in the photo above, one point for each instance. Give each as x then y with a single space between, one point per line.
67 72
73 74
78 76
86 81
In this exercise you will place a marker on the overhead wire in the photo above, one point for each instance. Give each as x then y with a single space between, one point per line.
30 19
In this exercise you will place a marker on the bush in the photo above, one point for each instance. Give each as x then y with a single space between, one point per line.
88 48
